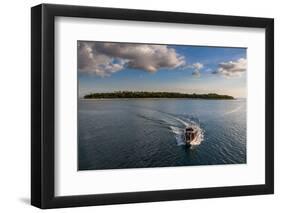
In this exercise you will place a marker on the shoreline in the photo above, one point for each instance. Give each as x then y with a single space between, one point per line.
105 99
142 94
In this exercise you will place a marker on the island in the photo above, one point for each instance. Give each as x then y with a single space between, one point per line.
142 94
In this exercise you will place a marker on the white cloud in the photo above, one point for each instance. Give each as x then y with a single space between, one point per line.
232 68
196 69
198 65
103 58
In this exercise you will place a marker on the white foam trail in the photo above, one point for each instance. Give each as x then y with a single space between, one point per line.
234 110
200 137
179 135
183 122
179 130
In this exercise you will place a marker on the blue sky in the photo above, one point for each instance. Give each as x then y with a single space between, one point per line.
106 67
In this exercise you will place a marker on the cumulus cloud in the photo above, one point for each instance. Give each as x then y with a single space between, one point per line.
232 68
196 69
104 58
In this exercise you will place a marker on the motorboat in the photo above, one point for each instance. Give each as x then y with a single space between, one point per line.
191 135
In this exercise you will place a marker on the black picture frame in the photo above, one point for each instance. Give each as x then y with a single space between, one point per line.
43 102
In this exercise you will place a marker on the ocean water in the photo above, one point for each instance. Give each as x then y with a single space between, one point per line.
141 133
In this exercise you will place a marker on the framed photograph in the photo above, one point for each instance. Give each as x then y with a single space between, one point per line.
139 106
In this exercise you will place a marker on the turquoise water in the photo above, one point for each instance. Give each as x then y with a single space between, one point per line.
140 133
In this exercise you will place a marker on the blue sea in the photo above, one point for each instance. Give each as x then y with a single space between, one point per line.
142 133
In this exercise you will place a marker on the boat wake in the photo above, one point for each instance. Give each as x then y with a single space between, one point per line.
176 124
233 110
179 132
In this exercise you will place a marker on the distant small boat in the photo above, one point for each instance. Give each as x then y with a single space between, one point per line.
191 135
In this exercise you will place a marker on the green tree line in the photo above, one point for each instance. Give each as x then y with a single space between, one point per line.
133 94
